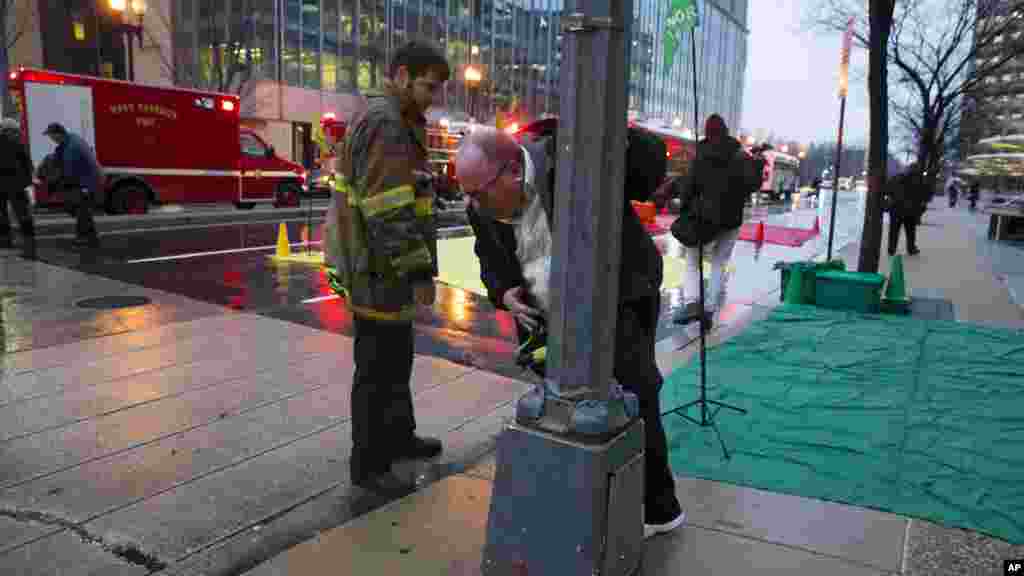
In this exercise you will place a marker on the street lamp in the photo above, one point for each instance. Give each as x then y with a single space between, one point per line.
124 8
473 76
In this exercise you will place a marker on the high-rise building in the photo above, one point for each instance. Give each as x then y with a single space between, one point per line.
996 106
294 60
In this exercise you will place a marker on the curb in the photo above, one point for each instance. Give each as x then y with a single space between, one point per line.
113 224
106 224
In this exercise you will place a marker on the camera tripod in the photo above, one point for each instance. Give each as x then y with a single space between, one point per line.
708 408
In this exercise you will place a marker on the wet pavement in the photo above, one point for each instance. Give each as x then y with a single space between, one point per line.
202 432
229 266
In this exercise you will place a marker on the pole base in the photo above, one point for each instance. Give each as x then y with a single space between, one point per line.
563 507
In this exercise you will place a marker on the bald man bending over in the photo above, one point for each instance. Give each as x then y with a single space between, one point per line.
510 190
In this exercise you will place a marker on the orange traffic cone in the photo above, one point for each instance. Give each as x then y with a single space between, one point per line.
304 234
759 233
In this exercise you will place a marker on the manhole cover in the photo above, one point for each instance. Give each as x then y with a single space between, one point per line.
112 302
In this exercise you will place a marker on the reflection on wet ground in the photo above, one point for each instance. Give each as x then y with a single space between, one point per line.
461 326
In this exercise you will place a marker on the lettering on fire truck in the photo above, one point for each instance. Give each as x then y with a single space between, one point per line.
154 109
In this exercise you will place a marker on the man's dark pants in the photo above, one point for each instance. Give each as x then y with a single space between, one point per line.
14 194
382 412
909 225
637 371
80 201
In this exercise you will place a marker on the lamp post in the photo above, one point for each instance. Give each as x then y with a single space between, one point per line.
124 9
473 76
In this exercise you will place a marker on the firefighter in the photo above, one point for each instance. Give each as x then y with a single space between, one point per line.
381 257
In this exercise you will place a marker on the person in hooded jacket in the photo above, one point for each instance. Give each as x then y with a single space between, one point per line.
16 175
719 182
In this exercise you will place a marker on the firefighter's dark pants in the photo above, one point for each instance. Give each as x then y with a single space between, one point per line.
382 413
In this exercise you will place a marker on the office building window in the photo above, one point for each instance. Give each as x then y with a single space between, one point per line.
290 53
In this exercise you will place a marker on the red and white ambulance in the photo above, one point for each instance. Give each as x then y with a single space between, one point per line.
157 145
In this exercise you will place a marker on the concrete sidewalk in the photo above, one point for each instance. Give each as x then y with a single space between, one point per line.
183 437
730 530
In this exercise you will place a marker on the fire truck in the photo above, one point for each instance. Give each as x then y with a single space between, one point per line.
328 137
156 145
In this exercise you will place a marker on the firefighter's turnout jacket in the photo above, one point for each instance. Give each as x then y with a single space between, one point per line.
380 236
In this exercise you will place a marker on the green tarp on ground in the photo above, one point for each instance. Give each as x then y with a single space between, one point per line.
919 418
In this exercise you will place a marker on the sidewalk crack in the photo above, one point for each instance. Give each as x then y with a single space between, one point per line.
127 551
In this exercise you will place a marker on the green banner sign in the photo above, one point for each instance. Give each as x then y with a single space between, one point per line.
683 15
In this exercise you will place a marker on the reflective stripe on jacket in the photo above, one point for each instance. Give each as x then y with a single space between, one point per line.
380 238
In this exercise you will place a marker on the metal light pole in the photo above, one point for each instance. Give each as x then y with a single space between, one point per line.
568 492
844 67
130 31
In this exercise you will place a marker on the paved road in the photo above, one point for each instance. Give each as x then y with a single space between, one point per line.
228 265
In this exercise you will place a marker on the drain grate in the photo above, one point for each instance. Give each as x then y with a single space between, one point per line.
112 302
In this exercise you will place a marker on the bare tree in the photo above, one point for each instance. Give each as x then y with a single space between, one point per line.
13 28
231 67
873 34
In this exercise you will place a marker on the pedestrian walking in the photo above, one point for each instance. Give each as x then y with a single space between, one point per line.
15 176
723 177
907 199
974 195
81 180
952 191
380 245
510 189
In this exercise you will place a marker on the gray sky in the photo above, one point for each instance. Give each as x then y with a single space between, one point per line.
793 77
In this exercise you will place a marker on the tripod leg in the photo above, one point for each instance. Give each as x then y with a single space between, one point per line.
727 406
721 442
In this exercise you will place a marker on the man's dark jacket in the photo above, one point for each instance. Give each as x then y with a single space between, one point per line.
15 164
641 266
907 196
719 173
78 164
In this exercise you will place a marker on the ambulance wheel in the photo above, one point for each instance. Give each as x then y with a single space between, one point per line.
129 199
287 195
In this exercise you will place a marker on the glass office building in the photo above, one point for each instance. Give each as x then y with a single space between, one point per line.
343 46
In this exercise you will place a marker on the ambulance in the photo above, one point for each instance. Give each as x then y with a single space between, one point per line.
157 145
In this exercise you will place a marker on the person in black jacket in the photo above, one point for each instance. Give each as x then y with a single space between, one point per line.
719 180
907 198
510 192
16 175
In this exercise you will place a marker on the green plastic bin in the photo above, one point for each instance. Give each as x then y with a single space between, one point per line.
812 268
842 290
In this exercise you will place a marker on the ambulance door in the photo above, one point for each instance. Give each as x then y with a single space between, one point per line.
257 184
71 106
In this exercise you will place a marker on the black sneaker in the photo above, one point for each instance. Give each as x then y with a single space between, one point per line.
687 314
419 449
913 251
664 520
385 484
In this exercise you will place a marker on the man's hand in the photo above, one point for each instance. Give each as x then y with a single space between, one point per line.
514 301
424 294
